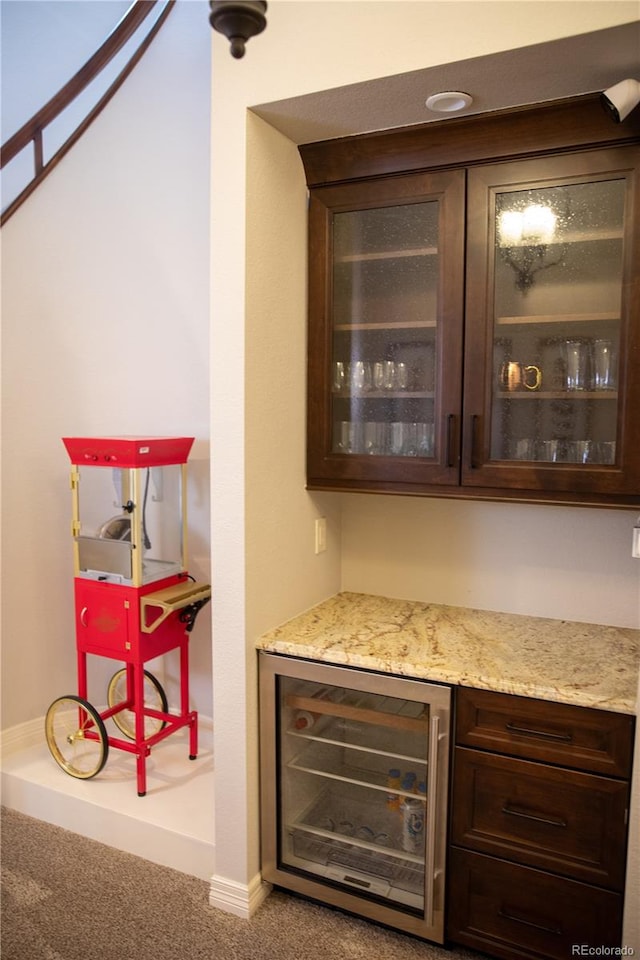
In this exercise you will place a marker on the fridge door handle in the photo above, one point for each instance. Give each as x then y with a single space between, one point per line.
431 824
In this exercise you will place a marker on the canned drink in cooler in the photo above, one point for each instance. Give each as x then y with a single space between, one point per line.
412 825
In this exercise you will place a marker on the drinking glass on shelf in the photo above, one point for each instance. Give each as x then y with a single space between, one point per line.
374 437
604 365
397 438
547 450
378 375
410 448
342 443
606 451
339 376
389 377
576 358
426 436
581 451
402 376
360 376
523 448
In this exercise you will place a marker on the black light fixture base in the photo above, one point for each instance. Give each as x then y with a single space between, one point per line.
238 20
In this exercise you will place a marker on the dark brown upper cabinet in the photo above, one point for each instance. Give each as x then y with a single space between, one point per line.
474 308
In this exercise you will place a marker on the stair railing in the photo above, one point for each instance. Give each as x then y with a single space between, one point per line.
32 131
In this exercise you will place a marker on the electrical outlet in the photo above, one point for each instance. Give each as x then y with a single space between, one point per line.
321 534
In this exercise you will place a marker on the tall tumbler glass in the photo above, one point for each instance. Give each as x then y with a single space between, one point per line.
604 365
576 357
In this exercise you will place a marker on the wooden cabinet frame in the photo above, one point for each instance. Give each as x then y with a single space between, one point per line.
375 169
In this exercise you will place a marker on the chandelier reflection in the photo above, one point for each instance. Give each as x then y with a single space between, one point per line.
524 238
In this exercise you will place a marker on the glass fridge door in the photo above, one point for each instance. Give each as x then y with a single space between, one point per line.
359 792
353 798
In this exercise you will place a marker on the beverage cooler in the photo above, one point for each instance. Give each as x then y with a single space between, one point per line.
354 779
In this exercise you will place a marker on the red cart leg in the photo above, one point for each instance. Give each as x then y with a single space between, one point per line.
184 699
193 737
82 674
141 771
138 705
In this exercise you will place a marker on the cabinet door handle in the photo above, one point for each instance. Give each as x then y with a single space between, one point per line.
474 441
83 616
508 915
550 821
451 423
431 820
540 734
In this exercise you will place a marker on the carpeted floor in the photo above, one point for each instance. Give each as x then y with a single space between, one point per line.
68 898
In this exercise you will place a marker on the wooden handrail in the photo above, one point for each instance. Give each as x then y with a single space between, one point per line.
33 129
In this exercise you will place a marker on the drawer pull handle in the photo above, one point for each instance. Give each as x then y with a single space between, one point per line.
550 821
83 616
541 734
529 923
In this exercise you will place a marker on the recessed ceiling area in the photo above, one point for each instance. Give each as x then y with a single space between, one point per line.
568 67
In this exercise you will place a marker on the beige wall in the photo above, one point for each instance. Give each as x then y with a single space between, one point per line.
265 567
105 317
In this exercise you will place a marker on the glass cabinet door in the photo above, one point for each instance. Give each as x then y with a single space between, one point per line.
545 378
387 314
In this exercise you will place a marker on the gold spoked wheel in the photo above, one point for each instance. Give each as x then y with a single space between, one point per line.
76 737
154 699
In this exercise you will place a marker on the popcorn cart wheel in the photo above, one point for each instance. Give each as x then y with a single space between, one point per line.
154 699
76 737
134 599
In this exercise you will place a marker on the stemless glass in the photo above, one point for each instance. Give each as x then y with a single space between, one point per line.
604 365
576 358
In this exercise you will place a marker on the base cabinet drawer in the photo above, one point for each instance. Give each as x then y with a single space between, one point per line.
511 911
580 737
563 821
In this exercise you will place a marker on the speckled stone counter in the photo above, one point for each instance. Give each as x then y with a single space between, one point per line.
583 664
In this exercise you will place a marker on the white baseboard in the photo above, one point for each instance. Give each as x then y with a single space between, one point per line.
242 900
22 736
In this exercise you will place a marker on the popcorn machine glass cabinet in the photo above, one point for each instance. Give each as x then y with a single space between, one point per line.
129 523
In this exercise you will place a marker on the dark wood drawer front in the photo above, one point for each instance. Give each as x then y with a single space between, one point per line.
579 737
512 911
559 820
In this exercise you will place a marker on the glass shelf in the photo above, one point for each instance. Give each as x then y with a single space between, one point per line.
347 817
386 325
387 255
355 767
385 395
579 395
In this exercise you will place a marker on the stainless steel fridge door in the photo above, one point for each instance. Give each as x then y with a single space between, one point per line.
354 782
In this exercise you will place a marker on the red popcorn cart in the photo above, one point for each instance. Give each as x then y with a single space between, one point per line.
134 600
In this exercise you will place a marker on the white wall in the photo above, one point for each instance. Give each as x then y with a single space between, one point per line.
105 313
265 569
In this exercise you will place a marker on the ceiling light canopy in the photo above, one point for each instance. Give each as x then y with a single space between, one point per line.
449 101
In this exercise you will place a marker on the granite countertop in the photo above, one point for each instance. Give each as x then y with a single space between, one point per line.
559 660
